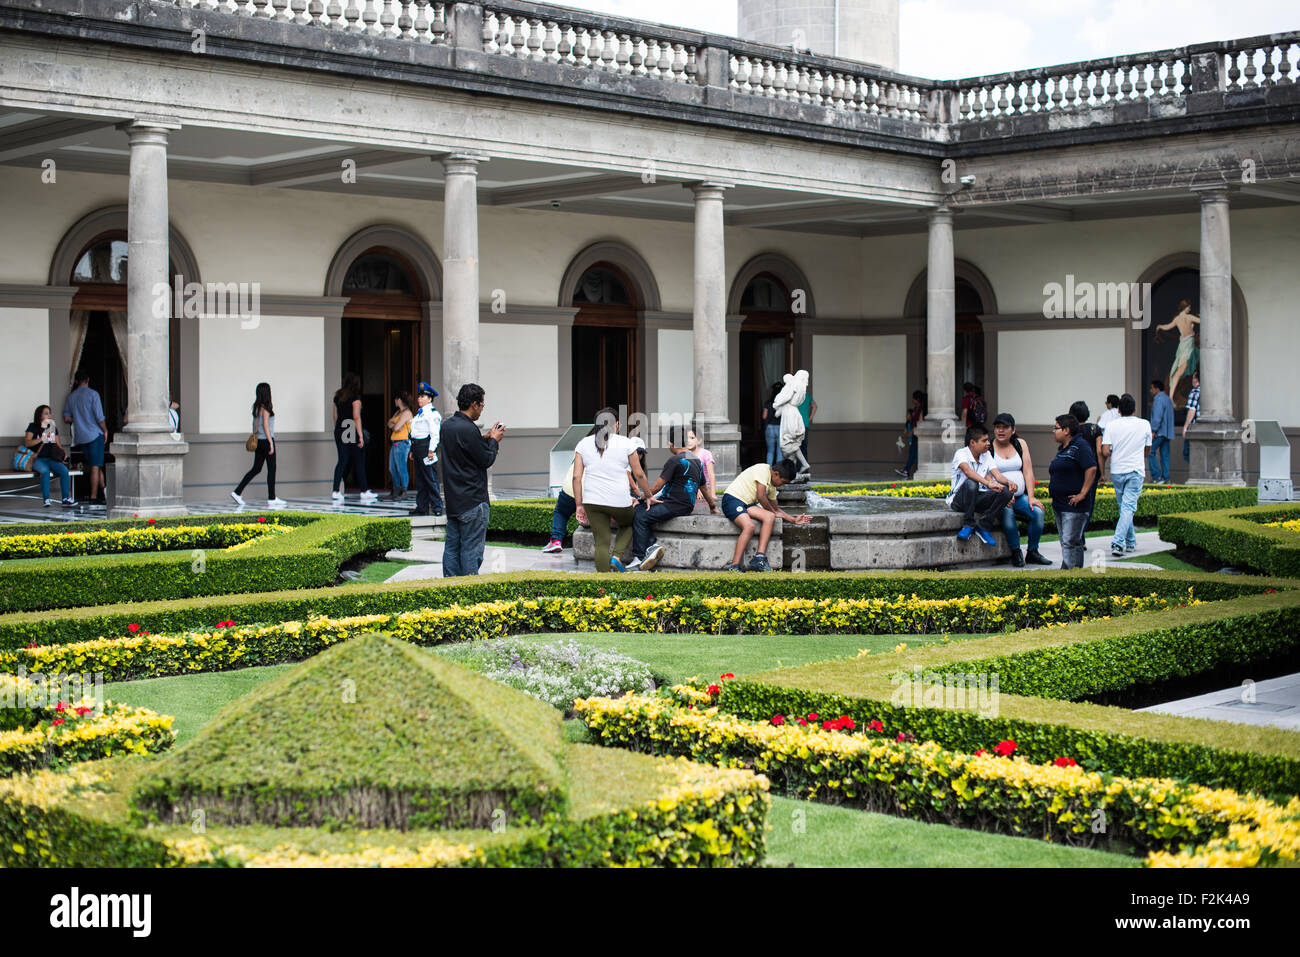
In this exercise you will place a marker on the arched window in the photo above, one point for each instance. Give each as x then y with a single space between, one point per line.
604 341
379 272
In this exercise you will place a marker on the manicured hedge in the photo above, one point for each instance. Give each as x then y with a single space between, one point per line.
1154 502
1073 660
309 556
922 780
84 624
1238 537
526 515
151 538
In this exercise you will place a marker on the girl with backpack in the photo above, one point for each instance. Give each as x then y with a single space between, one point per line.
1011 457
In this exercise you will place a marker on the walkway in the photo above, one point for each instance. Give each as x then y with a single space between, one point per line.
1275 702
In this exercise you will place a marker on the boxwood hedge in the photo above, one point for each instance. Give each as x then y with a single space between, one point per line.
84 624
308 556
1239 537
1060 663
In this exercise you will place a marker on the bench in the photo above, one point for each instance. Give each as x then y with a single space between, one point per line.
36 482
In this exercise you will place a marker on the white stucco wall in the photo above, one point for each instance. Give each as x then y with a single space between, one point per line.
523 356
1042 371
859 378
25 373
286 351
676 367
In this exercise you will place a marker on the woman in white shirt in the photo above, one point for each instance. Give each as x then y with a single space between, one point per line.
600 467
1011 457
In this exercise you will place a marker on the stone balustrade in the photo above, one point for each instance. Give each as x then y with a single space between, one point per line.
542 35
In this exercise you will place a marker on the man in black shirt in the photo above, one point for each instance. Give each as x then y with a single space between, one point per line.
1073 486
680 481
467 454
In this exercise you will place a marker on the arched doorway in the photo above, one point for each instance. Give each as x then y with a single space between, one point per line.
383 342
98 322
970 335
973 300
766 353
605 341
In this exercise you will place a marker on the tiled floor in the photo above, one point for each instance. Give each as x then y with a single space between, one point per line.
1274 702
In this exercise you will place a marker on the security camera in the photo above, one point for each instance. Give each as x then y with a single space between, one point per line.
555 204
967 182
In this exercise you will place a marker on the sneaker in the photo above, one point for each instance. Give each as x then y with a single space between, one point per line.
69 501
1035 557
964 534
419 512
553 546
239 499
1017 559
48 503
368 497
986 538
759 563
276 503
734 568
652 556
1130 548
336 496
636 565
902 472
616 565
1116 552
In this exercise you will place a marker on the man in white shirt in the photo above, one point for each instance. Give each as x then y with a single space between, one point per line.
1126 443
426 428
979 490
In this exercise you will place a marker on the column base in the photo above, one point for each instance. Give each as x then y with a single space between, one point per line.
148 475
1216 455
936 444
723 440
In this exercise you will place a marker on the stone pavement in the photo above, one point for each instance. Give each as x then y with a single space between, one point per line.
1274 702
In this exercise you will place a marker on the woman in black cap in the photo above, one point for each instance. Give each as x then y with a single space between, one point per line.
426 428
1012 458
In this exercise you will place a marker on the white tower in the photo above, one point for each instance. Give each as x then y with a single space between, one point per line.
865 30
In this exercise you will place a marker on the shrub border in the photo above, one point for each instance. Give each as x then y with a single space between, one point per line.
1238 537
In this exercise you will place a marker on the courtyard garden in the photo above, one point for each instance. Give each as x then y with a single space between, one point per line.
210 693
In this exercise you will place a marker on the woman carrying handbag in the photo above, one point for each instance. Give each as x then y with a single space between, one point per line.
46 454
262 444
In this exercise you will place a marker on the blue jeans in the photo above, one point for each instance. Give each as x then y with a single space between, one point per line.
647 518
462 553
1071 526
397 465
1128 486
1159 459
1026 511
43 468
565 506
772 433
912 454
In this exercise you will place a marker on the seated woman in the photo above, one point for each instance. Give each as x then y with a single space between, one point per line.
1011 456
43 437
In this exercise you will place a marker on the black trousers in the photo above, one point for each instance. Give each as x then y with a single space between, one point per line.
263 454
351 456
427 496
982 508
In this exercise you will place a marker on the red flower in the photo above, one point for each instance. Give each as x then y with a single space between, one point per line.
261 518
1066 763
980 752
1269 591
690 707
57 721
778 719
847 722
82 712
813 717
875 726
60 707
803 723
649 597
905 736
133 628
153 521
830 725
726 676
714 689
33 645
1005 748
600 591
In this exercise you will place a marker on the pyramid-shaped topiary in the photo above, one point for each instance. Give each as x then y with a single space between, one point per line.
371 733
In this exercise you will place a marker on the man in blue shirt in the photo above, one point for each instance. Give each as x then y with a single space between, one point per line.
85 410
1162 432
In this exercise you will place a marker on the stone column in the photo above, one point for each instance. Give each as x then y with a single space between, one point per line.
720 436
1216 454
460 299
148 462
940 433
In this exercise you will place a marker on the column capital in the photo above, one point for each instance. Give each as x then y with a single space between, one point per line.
709 189
149 124
463 163
1212 192
940 215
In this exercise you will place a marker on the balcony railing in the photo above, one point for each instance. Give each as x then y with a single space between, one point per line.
563 37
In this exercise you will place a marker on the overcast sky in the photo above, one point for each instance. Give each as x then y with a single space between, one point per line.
950 39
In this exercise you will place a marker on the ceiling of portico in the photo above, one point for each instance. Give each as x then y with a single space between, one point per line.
90 144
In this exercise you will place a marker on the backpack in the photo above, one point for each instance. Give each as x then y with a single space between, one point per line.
978 410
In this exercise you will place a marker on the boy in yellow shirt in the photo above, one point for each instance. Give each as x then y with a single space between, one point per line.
752 496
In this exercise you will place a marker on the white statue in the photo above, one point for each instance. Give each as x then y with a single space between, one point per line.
787 404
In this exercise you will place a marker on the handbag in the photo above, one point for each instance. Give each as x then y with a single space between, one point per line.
23 458
59 453
251 442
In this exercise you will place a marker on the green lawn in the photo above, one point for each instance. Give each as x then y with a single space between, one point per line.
381 571
1165 560
803 834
